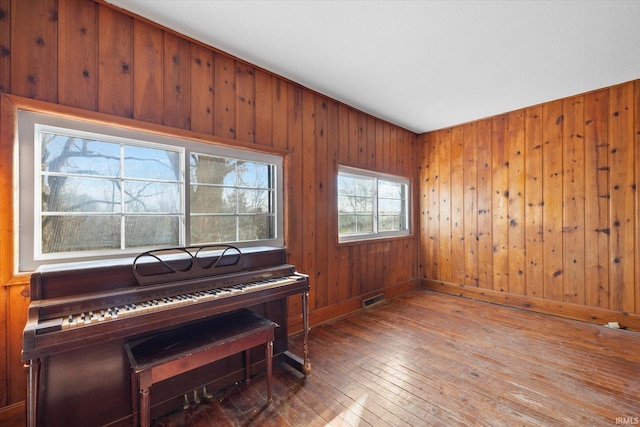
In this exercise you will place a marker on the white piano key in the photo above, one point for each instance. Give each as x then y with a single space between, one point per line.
165 303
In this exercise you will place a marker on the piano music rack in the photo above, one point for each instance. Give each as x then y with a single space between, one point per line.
185 262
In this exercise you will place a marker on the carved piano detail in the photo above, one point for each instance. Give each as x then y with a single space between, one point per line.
81 316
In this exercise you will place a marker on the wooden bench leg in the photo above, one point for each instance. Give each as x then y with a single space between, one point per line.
145 408
144 384
134 397
269 357
247 366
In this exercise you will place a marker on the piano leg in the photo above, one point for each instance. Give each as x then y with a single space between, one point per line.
305 325
303 365
33 379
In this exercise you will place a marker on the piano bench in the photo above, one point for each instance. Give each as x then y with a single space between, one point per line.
166 355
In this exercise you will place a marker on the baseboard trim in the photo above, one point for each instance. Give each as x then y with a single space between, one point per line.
602 316
347 307
13 415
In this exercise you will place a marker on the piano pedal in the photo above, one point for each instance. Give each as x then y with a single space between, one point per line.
196 398
186 403
206 394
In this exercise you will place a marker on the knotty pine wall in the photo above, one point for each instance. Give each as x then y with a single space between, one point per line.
88 56
539 208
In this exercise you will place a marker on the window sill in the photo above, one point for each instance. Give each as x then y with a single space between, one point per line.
380 239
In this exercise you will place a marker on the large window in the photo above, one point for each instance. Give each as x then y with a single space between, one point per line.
371 205
90 191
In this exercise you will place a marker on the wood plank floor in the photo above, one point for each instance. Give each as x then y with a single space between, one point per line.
429 359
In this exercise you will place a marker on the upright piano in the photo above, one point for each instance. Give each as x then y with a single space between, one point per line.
81 316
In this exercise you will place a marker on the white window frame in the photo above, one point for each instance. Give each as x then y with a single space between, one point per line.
28 188
376 176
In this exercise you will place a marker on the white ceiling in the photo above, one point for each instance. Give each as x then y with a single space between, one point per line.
423 65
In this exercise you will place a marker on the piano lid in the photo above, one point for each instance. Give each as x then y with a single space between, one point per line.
61 280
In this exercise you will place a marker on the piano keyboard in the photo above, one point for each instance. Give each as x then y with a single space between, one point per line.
164 303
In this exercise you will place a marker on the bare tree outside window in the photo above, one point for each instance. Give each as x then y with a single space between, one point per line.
356 202
231 200
104 195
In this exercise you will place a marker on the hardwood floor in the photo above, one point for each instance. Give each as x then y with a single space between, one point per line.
430 359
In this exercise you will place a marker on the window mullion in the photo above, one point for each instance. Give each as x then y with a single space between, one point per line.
123 243
375 205
185 220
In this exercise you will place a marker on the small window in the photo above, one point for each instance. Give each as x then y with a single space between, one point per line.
371 205
91 191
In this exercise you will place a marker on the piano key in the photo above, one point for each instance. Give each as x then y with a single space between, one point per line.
164 303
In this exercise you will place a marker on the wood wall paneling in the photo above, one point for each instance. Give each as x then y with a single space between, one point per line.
293 235
7 328
279 106
552 191
362 146
352 143
245 103
372 142
457 206
431 255
201 79
5 45
176 89
515 200
14 290
225 97
4 348
388 137
557 220
596 188
308 195
500 203
444 204
573 212
264 98
470 210
78 56
379 148
148 73
323 246
18 303
34 48
293 207
621 189
636 144
115 63
485 242
534 203
328 185
397 140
